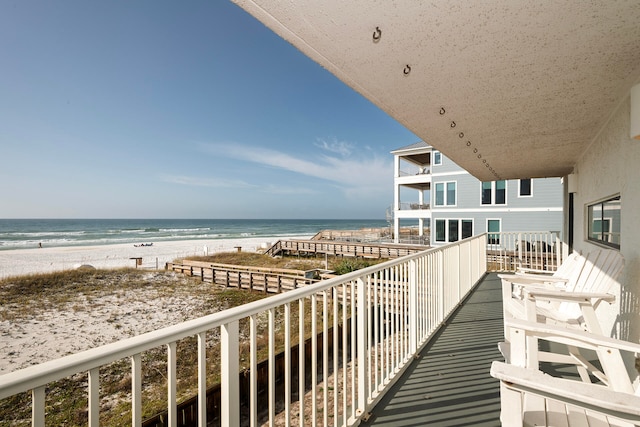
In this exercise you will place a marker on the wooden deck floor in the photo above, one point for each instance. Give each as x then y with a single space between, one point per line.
449 384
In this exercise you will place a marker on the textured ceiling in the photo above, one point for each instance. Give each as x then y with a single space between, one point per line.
505 88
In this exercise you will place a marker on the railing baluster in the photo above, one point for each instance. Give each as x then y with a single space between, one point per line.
344 353
272 368
362 319
38 397
336 391
202 379
301 358
325 358
354 353
94 397
229 366
171 384
253 374
287 364
314 358
136 390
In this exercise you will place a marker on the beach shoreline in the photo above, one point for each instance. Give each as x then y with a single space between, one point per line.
19 262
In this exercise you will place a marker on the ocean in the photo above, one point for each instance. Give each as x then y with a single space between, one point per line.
30 233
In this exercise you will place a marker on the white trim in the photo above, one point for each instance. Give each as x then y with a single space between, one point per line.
433 153
494 193
526 196
450 173
446 229
435 192
494 209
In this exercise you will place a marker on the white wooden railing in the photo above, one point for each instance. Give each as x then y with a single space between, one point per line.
540 250
392 308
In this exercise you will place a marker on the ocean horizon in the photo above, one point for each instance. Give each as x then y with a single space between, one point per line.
31 233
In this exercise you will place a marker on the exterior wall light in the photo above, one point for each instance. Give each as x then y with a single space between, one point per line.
634 126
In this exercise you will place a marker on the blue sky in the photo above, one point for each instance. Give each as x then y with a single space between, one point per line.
164 109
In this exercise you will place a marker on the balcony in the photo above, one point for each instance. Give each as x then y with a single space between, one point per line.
425 327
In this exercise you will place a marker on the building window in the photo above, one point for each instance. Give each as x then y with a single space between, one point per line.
452 230
441 231
445 193
494 193
525 188
467 228
493 231
437 158
604 222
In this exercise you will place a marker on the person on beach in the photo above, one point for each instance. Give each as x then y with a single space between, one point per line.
40 244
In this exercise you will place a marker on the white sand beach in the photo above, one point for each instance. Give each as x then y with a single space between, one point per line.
43 260
52 332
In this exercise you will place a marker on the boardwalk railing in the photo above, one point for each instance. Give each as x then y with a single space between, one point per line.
268 280
341 248
392 308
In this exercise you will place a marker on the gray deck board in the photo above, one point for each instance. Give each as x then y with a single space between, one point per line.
449 383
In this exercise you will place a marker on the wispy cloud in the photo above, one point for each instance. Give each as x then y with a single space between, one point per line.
205 182
193 181
334 146
352 170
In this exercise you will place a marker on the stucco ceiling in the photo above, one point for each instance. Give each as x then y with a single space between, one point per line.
506 88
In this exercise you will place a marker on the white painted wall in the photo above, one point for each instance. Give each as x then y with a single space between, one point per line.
611 165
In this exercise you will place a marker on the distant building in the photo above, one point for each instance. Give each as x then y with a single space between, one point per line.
433 192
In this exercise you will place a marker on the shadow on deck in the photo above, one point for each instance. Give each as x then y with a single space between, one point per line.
449 384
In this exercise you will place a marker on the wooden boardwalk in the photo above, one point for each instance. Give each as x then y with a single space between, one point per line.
268 280
338 248
449 384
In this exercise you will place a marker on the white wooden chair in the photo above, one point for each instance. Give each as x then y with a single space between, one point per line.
529 397
572 299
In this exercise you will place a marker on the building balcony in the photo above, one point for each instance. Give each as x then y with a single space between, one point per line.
385 343
419 181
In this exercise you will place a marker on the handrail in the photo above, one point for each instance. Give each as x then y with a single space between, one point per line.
393 308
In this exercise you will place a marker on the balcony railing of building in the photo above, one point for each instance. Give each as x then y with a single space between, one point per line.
392 308
406 206
537 250
419 171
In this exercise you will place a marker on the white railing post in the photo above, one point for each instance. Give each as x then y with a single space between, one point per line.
230 390
362 335
172 380
136 390
94 397
37 406
413 306
202 379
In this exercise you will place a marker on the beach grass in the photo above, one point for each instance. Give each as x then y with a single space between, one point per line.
87 290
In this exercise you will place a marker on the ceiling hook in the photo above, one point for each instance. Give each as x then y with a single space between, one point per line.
468 143
407 70
442 111
461 135
475 150
377 34
453 124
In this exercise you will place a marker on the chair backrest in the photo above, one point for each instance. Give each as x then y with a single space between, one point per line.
567 267
599 273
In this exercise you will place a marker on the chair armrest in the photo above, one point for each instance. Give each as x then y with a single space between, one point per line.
559 295
534 271
578 337
522 279
588 396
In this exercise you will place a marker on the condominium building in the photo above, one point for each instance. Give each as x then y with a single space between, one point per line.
435 194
